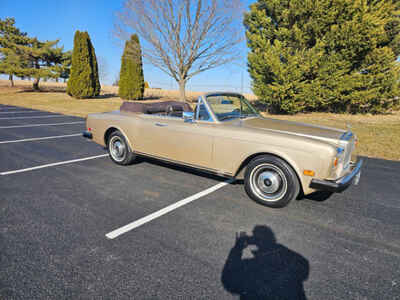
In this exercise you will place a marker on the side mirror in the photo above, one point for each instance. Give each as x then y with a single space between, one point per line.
188 116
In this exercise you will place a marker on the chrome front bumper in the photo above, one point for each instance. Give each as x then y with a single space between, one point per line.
339 185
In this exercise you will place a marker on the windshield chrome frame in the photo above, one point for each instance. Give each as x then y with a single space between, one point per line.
203 100
211 111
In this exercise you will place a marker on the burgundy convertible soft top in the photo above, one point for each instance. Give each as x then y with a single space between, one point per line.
155 107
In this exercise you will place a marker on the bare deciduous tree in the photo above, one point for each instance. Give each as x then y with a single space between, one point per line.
184 37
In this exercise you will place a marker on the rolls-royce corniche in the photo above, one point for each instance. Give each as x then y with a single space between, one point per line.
223 133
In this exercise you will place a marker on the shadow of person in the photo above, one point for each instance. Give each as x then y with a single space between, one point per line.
274 272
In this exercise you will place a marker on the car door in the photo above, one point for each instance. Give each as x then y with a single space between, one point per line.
172 138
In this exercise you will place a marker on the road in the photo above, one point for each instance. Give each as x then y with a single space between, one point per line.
60 196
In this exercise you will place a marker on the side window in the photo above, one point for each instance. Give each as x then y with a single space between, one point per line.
202 112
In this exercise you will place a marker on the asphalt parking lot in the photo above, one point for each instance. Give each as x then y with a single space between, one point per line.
60 196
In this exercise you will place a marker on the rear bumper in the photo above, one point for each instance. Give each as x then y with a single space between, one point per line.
339 185
87 135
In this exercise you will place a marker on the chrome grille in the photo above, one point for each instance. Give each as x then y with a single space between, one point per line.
347 154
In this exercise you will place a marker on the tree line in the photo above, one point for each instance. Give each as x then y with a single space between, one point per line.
25 56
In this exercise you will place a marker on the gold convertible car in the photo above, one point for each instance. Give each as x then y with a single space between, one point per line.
227 136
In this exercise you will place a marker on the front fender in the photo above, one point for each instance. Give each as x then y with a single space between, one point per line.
299 160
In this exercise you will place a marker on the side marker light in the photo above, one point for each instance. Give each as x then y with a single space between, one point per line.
308 172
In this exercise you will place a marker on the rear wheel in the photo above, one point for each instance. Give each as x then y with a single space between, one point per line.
270 181
119 150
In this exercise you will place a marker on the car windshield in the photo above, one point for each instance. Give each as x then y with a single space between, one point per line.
230 106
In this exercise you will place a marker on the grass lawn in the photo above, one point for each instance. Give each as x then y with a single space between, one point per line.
379 136
58 102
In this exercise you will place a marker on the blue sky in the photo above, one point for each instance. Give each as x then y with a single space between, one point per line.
50 20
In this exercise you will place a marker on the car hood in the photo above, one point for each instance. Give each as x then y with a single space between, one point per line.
294 128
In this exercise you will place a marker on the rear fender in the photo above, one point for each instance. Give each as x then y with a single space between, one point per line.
122 132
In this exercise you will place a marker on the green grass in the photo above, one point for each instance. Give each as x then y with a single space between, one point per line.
378 136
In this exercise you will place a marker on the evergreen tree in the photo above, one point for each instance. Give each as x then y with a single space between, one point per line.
84 79
24 56
131 81
325 55
95 66
64 67
43 58
10 63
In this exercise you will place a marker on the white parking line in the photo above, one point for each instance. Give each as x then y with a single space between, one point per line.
52 165
19 112
40 139
37 125
124 229
35 117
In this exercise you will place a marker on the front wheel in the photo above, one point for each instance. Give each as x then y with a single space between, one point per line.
119 150
270 181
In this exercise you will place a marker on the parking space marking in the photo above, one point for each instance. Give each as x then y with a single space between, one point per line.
124 229
20 112
52 165
35 117
37 125
42 138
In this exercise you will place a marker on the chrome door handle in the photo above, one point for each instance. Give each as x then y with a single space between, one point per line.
161 124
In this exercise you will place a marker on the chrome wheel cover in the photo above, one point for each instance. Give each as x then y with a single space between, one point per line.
117 148
268 182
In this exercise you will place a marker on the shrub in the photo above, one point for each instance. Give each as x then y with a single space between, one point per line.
324 55
131 82
84 79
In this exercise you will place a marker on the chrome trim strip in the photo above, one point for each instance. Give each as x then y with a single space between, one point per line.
299 134
213 171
